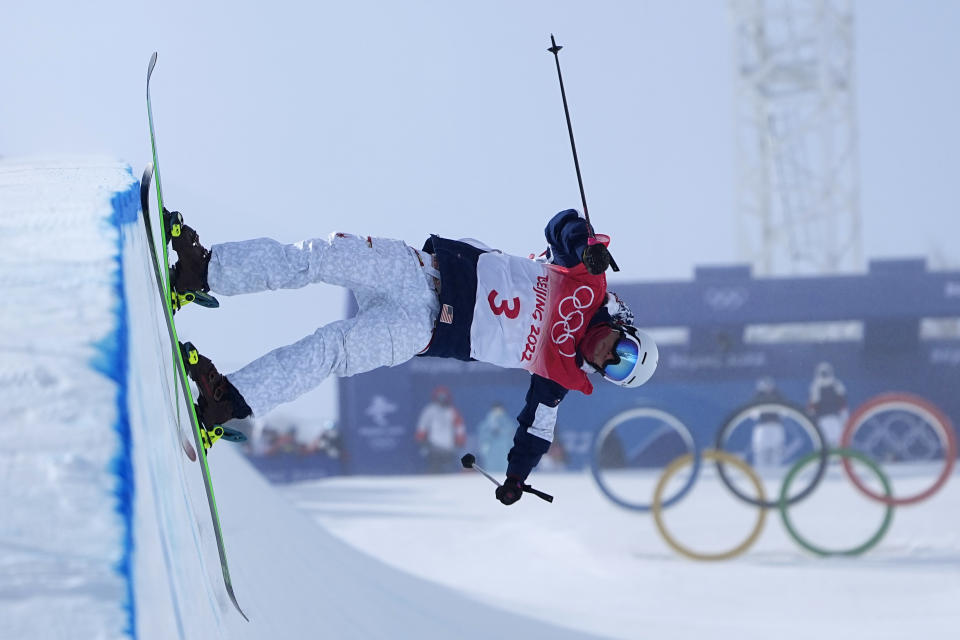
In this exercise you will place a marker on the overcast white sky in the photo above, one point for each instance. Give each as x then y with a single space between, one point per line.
294 119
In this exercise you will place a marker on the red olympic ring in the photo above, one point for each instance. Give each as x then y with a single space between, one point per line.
935 418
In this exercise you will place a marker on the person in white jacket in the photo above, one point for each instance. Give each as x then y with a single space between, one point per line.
440 431
828 403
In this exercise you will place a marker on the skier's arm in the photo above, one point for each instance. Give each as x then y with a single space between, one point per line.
535 431
567 235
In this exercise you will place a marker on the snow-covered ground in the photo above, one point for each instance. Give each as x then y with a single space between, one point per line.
587 564
105 532
65 500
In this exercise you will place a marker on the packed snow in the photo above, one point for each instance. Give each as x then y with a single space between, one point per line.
587 564
65 499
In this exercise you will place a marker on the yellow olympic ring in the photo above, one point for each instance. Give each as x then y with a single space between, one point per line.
685 460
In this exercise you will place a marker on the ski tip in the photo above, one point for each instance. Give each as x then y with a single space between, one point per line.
145 181
233 598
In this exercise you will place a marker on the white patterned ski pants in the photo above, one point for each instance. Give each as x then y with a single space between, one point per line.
397 309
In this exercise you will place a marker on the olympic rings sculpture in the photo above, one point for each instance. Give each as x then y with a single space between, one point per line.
665 418
845 454
781 409
718 457
889 402
903 402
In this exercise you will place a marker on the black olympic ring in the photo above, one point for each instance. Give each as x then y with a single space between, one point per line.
780 408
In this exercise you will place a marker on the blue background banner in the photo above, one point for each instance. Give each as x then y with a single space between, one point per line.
719 334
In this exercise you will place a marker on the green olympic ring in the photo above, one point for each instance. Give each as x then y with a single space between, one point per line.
846 454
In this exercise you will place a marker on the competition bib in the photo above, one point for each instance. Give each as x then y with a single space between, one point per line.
532 315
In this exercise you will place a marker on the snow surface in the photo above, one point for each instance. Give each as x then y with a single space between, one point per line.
587 564
65 529
388 557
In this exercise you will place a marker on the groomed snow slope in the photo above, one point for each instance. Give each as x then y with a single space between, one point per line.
66 527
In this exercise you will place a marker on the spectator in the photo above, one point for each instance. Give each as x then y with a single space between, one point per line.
440 430
767 438
495 438
828 403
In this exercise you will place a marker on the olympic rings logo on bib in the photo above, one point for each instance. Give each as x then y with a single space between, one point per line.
567 330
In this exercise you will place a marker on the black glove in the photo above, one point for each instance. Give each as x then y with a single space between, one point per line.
510 491
597 258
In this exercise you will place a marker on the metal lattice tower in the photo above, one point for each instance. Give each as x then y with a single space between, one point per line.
798 173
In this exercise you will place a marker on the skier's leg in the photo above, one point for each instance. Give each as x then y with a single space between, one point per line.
218 400
341 259
832 428
378 336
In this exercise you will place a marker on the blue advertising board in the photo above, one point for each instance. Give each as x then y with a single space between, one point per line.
731 330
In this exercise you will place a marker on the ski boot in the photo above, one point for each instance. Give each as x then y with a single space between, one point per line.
188 277
218 401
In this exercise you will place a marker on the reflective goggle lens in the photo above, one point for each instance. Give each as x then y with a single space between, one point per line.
628 351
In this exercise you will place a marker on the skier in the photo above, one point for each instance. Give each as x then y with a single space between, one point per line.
457 299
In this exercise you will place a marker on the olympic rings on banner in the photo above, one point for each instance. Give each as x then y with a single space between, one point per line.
717 456
781 409
911 403
665 418
845 454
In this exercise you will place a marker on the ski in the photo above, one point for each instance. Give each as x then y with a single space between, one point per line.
145 184
163 281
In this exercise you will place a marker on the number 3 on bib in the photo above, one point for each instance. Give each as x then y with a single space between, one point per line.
511 308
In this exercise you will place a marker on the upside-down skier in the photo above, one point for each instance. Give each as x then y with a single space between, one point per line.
551 315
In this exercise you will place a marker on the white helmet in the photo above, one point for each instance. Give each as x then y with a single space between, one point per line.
637 358
824 371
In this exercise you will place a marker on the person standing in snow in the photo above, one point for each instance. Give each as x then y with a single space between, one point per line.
495 438
457 299
827 403
440 430
768 436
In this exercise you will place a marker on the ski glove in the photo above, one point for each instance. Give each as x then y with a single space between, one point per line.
510 491
596 258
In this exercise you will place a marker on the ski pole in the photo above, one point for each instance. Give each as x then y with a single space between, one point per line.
555 50
469 462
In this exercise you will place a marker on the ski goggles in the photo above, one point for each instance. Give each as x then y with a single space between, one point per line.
627 352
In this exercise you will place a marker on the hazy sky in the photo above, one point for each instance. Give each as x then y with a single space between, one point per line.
294 119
